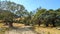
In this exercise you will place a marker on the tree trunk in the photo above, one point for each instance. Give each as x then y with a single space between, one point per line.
46 25
39 22
6 23
10 24
53 23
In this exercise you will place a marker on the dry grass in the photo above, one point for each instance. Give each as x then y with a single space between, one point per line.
4 28
14 24
18 25
37 29
1 25
47 30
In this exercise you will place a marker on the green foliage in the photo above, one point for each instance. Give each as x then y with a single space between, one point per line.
47 17
10 10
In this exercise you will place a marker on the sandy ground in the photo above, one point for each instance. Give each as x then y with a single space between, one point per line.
21 30
47 30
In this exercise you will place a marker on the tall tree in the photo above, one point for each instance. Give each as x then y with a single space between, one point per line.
13 8
38 16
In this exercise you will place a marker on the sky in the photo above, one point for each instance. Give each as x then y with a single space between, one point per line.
31 5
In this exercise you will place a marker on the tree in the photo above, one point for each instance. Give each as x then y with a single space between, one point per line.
11 7
7 17
38 17
30 17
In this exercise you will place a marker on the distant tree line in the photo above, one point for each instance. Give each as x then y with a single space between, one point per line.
44 16
10 11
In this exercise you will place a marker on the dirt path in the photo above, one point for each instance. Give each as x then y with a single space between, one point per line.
24 30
